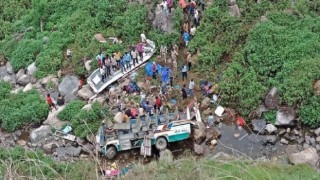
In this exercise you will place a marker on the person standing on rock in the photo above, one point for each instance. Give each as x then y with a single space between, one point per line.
122 65
189 60
117 55
184 92
196 18
128 60
60 100
174 54
186 38
163 52
170 5
191 86
113 63
50 102
184 72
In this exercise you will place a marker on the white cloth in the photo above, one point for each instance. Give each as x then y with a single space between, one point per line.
193 31
143 37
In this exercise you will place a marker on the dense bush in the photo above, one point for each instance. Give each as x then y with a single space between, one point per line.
310 112
22 108
71 110
4 89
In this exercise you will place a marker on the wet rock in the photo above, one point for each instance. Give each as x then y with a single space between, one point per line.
10 79
28 87
68 151
69 85
271 100
21 142
85 92
199 148
9 68
258 125
87 107
233 8
40 133
316 88
270 139
271 128
205 103
24 80
88 148
87 65
285 117
199 134
49 147
284 141
31 69
317 132
292 149
20 73
166 156
308 155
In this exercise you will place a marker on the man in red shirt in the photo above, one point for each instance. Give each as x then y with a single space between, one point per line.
158 104
50 102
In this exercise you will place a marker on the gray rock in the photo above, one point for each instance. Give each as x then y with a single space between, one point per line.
317 132
87 65
88 148
20 73
163 23
85 92
28 87
284 141
199 134
234 10
69 85
318 139
3 72
87 107
31 69
306 146
271 128
24 80
40 133
318 147
307 139
282 131
292 149
166 156
52 119
258 125
309 155
205 103
9 68
10 79
271 100
285 117
49 147
312 141
18 133
45 39
68 151
199 148
47 79
270 139
296 132
300 140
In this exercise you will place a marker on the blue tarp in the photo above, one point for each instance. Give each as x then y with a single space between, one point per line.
165 75
148 69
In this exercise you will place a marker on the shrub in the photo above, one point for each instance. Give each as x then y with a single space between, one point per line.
5 88
310 112
71 110
270 116
22 108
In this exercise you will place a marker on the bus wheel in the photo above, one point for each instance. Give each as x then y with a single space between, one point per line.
161 143
111 152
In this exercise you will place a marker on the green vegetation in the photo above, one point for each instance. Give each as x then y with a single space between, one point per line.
270 116
17 163
227 169
84 122
20 109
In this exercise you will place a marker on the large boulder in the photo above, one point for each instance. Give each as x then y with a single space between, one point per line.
205 103
316 88
69 85
28 87
87 65
68 151
40 133
199 134
309 155
52 119
285 117
31 69
10 79
85 92
271 100
233 8
20 73
24 80
9 68
258 125
161 22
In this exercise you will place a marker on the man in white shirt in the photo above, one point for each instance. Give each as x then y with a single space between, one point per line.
196 17
134 55
193 31
191 86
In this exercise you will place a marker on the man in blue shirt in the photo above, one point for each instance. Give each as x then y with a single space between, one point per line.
122 65
128 60
186 38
